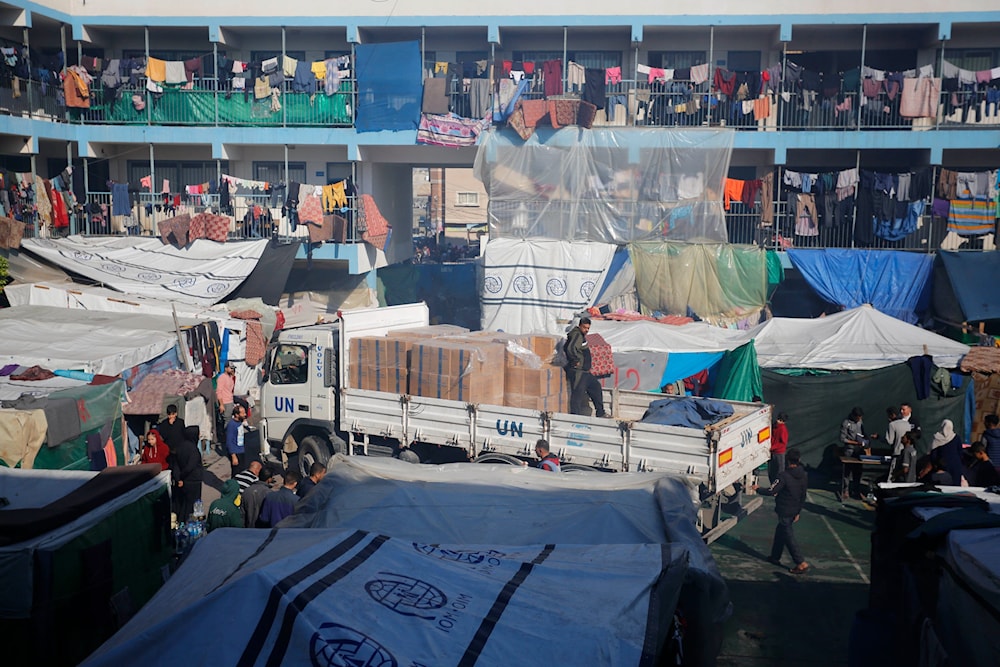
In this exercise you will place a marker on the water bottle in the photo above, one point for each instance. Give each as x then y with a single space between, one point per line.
199 510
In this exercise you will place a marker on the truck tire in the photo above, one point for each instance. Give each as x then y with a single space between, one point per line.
498 458
312 449
576 467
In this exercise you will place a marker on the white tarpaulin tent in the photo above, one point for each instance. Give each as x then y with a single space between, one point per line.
477 504
861 338
344 597
203 273
537 285
91 341
643 335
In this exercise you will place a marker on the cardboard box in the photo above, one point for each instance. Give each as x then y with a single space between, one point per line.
428 332
379 364
457 370
536 389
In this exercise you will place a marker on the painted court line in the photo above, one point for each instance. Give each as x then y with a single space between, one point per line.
861 572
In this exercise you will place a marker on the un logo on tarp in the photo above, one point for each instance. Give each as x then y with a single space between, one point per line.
406 595
335 645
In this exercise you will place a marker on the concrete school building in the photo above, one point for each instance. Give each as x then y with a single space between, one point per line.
817 98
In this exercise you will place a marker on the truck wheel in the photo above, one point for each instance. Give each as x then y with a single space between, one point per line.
312 449
498 458
576 467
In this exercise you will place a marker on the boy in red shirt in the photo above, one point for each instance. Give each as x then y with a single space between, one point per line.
779 443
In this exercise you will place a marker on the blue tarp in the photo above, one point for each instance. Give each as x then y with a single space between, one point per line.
686 412
974 277
682 365
390 89
894 282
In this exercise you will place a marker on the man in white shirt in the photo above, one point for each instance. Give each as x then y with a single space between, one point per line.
898 427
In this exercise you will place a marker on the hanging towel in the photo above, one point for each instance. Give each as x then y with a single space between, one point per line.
319 70
156 69
699 74
288 66
435 96
173 72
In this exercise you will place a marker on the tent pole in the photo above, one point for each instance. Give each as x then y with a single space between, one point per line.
854 211
188 364
934 178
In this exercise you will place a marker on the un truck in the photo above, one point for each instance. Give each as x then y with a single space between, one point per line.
310 412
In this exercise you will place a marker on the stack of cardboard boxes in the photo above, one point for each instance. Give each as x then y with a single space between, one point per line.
449 362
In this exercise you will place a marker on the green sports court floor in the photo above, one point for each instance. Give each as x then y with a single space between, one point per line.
780 619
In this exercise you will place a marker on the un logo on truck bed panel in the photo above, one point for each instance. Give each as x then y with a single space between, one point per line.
406 595
334 645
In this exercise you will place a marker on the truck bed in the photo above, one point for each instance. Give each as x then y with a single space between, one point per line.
715 456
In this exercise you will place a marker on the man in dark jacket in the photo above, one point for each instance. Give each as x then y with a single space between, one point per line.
581 382
187 472
281 503
253 497
172 428
789 494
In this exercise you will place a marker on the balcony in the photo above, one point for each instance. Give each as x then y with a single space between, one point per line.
628 103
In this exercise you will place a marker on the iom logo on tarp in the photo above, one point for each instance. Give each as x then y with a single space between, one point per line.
587 288
493 284
335 645
284 404
523 284
491 557
406 595
556 286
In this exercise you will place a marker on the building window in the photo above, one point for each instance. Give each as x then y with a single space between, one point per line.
257 56
467 199
274 172
676 59
591 59
972 59
177 173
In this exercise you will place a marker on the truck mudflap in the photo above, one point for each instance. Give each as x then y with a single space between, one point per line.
590 441
506 430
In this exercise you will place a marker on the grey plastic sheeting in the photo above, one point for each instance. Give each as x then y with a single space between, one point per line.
607 185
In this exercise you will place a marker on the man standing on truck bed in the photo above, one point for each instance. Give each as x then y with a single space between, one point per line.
581 382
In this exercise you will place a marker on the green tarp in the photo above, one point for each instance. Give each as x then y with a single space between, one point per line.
817 405
98 406
738 377
198 107
715 281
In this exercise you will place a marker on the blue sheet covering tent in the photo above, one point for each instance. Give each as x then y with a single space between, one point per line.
389 86
965 286
894 282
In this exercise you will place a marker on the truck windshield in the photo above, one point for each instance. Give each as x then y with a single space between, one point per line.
290 364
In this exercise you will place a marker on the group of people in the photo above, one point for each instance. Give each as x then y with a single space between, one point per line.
947 463
174 446
249 501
